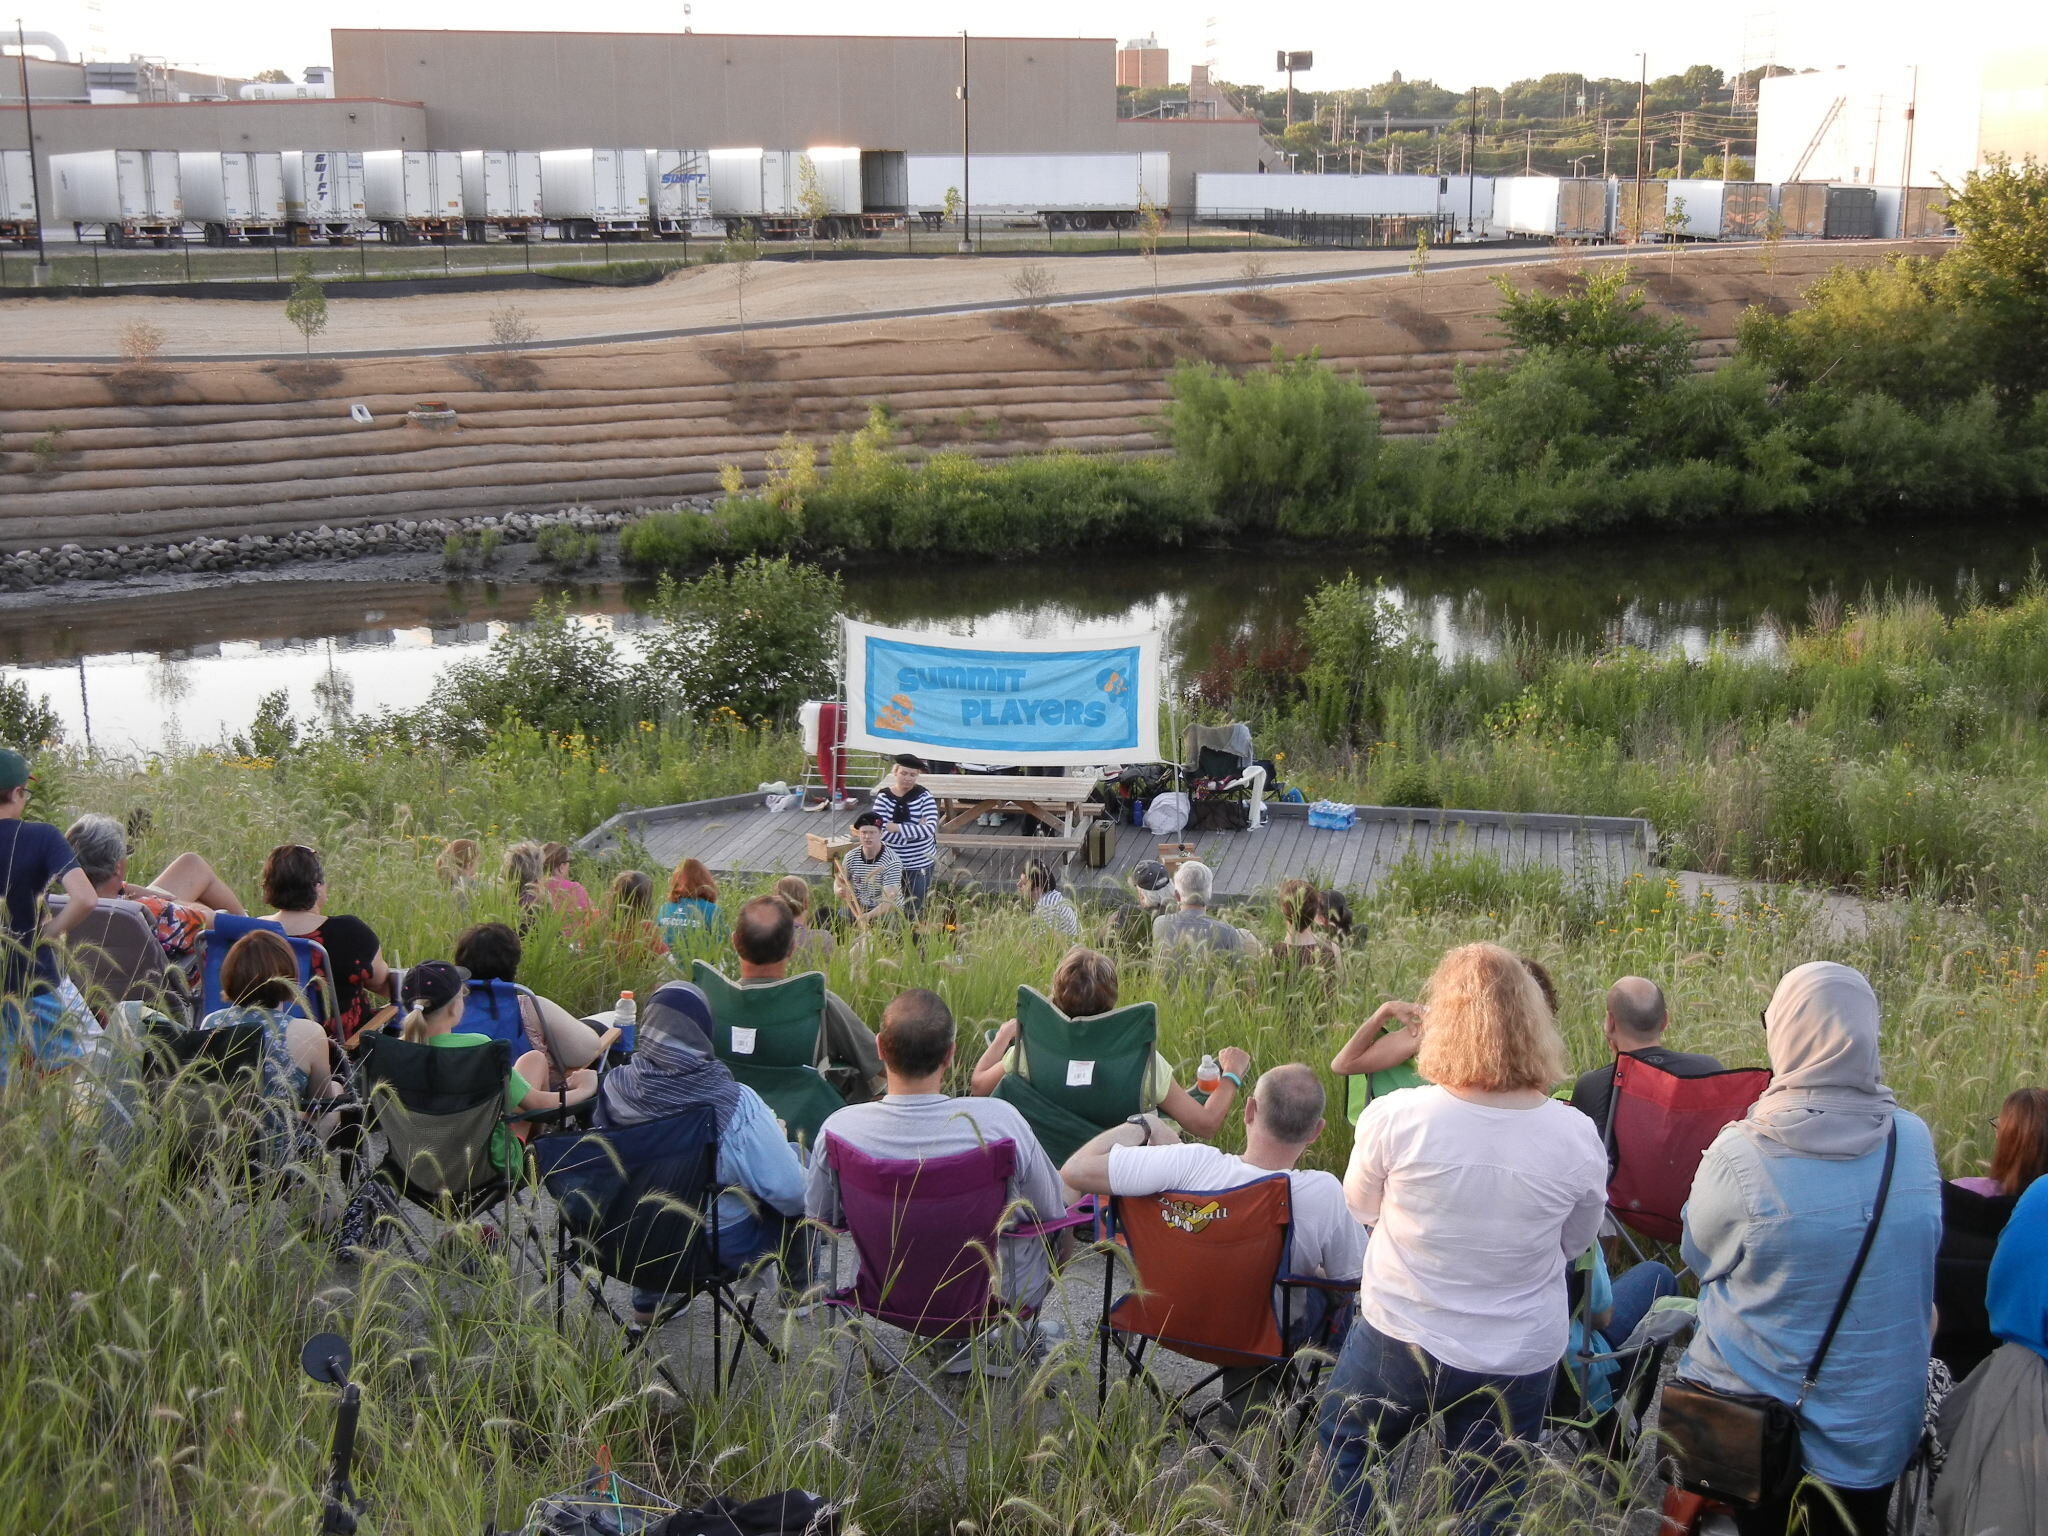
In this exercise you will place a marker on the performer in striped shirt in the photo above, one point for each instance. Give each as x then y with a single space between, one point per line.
913 828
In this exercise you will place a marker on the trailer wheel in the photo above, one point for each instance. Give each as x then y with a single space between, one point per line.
111 236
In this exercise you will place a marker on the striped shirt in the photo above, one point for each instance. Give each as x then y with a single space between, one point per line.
913 829
1058 914
874 881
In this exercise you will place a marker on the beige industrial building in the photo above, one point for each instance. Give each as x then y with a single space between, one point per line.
570 90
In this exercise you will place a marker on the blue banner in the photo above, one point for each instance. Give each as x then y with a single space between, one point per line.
1016 703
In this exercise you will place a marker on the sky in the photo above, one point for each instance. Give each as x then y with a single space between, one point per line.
1487 42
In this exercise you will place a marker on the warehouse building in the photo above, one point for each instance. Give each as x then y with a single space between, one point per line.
570 90
1902 125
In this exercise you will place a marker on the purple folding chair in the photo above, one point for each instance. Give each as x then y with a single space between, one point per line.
926 1232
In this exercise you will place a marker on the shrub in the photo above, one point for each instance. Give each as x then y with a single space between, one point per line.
557 675
756 639
27 720
568 546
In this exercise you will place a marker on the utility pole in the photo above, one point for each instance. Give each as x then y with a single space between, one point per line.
966 157
28 117
1642 106
1529 152
1606 143
1684 130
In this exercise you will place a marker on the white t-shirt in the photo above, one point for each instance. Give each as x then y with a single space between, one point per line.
1327 1242
1475 1212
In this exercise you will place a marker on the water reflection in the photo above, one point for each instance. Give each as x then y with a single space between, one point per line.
192 666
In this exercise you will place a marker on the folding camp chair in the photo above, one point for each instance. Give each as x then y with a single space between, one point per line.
1971 1225
1086 1074
1209 1265
632 1205
439 1111
207 1087
114 958
316 972
1576 1421
768 1036
1658 1128
1218 763
927 1232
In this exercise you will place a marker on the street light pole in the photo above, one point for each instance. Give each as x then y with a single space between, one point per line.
966 157
28 117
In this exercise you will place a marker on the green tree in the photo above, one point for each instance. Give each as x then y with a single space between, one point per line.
273 77
306 306
555 674
756 638
1998 276
740 252
26 719
811 201
1151 230
1734 168
1599 316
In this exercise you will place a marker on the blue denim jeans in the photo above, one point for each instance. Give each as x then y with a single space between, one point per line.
1382 1389
38 1033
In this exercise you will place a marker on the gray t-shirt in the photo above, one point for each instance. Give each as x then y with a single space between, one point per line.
1194 928
923 1125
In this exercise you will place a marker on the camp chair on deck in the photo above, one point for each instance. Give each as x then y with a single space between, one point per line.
439 1110
631 1205
768 1036
1658 1128
1208 1265
1086 1074
114 958
927 1233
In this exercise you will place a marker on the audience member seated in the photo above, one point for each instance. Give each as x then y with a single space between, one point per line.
633 928
1335 917
1283 1117
690 917
1191 929
1084 986
1306 945
492 952
673 1070
814 946
1974 1213
1152 885
260 979
1478 1191
180 902
1049 906
295 883
1995 1425
917 1120
1613 1308
763 937
869 876
561 889
1636 1020
1386 1057
436 994
1778 1211
522 873
458 864
35 1029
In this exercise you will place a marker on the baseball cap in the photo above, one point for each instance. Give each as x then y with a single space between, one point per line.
14 770
434 984
1151 875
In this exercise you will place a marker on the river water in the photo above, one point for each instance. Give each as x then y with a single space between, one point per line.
135 675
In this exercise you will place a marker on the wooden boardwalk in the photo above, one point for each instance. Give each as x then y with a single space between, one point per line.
739 836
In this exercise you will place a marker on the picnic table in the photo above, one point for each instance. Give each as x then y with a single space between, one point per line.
1062 806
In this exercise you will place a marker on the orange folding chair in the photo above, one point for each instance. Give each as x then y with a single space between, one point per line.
1215 1285
1658 1128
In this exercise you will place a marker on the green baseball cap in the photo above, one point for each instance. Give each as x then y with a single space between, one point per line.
14 770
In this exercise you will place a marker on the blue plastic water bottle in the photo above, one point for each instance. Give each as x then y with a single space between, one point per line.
1137 810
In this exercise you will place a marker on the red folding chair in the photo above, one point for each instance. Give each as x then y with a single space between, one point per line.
927 1232
1658 1128
1215 1285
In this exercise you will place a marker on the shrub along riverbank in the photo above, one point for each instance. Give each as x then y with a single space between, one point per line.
1908 390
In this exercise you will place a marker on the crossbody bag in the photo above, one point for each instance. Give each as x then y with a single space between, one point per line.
1744 1447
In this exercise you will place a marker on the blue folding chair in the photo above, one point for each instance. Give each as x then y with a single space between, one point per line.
316 972
494 1009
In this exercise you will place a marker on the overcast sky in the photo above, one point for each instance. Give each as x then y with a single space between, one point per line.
1486 42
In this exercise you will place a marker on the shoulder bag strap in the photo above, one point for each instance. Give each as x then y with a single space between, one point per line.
1884 1189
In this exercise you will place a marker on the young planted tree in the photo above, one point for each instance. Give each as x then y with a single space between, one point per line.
740 252
1254 269
811 201
1774 239
141 344
1418 264
511 329
1677 224
1034 284
1151 228
306 308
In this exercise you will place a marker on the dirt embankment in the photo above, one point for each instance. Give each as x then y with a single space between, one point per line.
95 454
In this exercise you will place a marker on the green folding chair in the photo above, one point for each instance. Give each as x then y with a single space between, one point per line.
768 1036
1361 1088
1086 1075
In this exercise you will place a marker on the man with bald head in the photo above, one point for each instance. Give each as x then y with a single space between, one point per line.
1636 1018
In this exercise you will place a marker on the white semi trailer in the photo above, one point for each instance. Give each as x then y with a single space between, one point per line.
595 193
121 196
17 198
414 194
501 194
1080 191
235 196
679 182
787 192
323 196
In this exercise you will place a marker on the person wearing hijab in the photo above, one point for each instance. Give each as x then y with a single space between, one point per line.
1778 1210
673 1070
1995 1425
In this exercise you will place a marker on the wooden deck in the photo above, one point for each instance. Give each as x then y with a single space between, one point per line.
738 836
